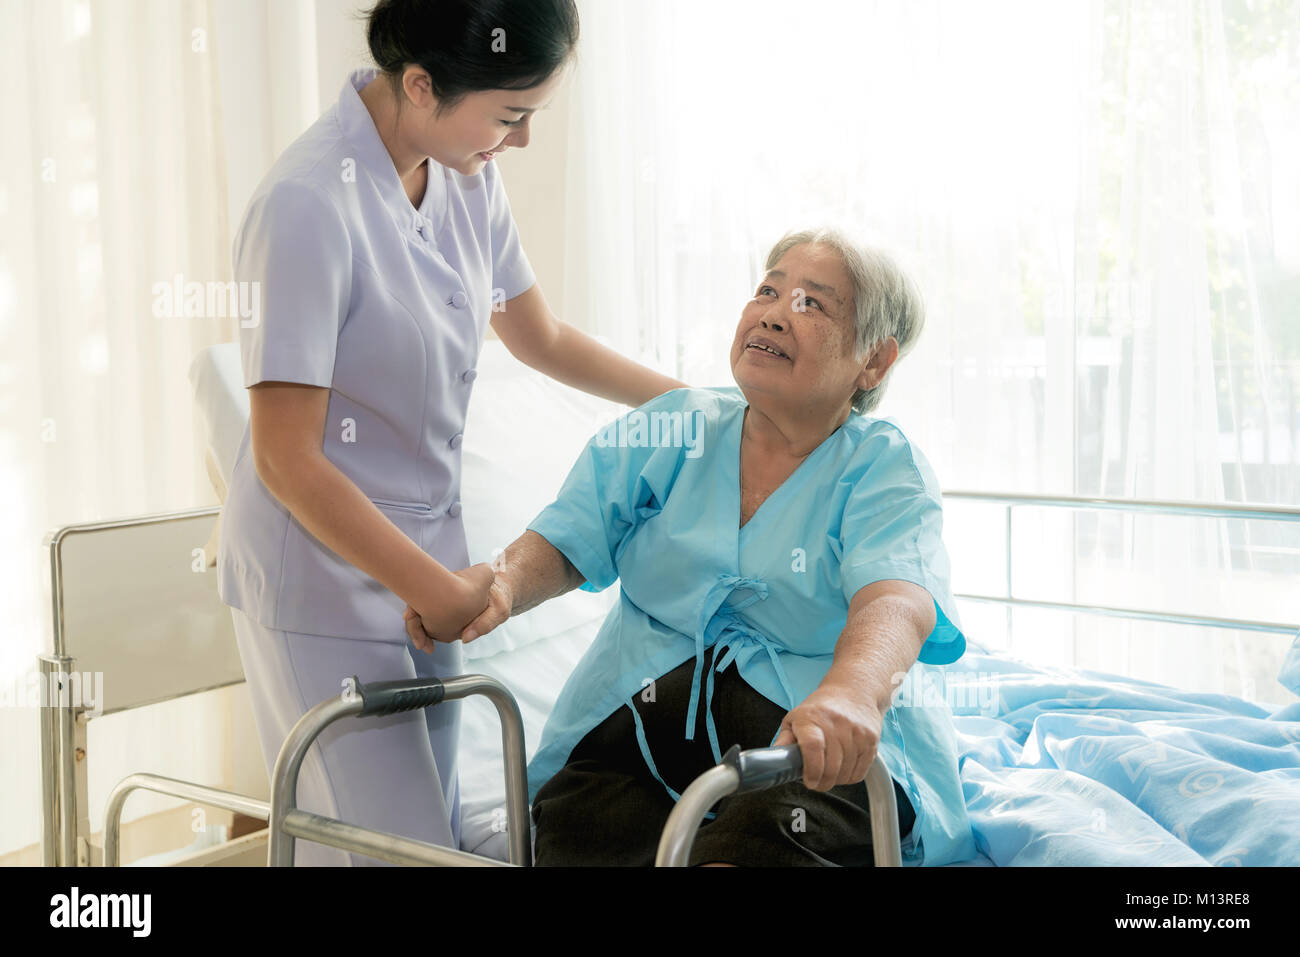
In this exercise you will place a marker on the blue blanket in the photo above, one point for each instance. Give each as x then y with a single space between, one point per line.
1087 768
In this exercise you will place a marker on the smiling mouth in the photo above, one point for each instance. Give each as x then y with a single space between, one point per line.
767 349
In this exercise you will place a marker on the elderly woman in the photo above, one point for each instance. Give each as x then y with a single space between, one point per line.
782 569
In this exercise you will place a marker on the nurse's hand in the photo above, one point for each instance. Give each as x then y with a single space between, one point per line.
838 731
444 615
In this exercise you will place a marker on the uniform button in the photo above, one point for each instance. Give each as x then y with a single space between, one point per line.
455 440
453 509
469 375
458 299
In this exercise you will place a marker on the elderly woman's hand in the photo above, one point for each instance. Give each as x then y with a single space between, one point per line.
838 730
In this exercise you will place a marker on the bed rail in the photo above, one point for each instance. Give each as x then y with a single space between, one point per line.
198 793
1275 513
107 582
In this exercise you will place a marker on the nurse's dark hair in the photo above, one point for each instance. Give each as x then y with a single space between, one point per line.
467 46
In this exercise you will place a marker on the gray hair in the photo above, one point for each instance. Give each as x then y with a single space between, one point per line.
886 302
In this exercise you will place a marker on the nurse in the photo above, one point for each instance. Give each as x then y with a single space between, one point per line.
383 245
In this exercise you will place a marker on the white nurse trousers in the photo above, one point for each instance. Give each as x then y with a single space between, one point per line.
395 773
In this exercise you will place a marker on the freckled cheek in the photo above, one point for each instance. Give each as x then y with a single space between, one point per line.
813 354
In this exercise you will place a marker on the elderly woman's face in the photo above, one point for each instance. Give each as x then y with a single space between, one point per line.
802 308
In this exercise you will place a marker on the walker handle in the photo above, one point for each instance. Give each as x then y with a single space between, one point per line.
765 767
390 697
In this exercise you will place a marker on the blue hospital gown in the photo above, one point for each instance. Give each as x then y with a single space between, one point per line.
654 502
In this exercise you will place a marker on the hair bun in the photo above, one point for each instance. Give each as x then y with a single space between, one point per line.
451 40
386 33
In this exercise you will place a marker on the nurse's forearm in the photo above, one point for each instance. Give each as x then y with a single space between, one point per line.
882 639
535 571
578 360
331 506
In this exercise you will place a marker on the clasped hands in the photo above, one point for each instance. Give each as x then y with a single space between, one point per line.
479 602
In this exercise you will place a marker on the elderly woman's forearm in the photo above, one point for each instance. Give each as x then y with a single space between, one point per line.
536 571
881 641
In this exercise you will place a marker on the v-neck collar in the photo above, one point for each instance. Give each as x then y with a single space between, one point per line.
782 491
359 129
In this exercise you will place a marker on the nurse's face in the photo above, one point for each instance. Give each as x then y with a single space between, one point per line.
480 125
802 308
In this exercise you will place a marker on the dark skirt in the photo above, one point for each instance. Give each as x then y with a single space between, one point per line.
605 808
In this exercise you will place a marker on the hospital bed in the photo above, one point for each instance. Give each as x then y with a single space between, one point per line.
136 600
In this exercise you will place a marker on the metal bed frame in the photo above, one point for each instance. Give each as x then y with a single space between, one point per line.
99 622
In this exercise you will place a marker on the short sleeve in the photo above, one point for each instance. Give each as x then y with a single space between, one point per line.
611 489
511 271
294 256
892 530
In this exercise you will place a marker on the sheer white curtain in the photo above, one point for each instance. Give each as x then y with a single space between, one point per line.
1099 201
113 177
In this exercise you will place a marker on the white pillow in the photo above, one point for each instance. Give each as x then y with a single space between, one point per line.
523 433
218 381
